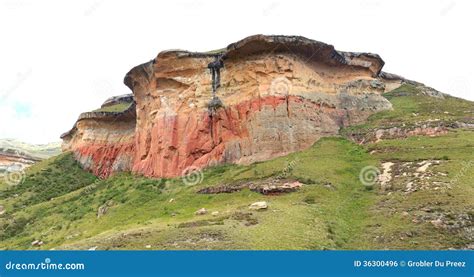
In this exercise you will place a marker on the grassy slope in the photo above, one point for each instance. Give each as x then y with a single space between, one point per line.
455 150
140 203
333 211
412 107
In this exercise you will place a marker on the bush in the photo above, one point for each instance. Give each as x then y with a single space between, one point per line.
59 177
309 199
15 227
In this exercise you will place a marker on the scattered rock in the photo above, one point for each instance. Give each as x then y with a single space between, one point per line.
430 128
268 186
431 92
329 185
405 214
104 208
102 211
410 177
171 200
438 223
259 205
216 213
285 187
379 239
409 187
93 248
464 124
2 209
37 243
424 167
147 246
386 176
201 211
470 246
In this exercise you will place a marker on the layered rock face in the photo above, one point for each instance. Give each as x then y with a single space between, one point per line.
272 95
16 155
103 141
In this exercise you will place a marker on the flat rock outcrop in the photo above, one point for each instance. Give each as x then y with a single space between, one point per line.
259 98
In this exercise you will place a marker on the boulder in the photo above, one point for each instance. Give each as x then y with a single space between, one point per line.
104 208
262 205
37 243
438 223
201 211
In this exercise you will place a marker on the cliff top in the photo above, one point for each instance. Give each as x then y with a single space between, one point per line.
310 50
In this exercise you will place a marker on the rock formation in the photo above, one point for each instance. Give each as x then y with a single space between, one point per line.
259 98
16 155
103 141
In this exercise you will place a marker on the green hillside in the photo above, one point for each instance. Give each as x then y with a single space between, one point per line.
427 204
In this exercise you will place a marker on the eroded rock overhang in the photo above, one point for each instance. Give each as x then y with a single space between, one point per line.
276 95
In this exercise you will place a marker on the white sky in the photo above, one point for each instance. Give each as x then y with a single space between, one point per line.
61 58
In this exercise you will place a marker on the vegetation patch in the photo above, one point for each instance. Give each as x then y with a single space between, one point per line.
115 108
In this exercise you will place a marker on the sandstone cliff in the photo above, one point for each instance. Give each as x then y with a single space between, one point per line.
259 98
103 140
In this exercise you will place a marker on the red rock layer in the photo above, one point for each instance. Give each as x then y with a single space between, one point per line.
103 142
102 159
200 139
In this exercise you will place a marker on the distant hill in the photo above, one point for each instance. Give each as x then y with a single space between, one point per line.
14 153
